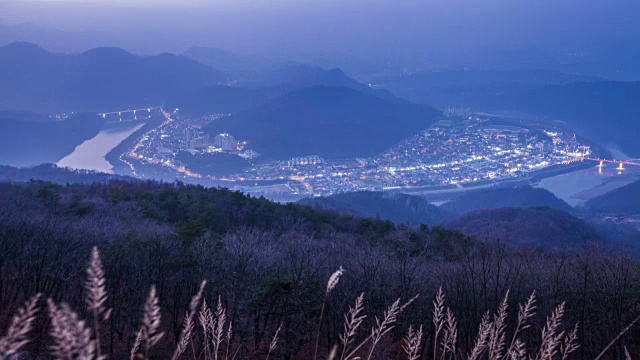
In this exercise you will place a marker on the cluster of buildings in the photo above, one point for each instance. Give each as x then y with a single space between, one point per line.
452 153
161 145
458 151
198 140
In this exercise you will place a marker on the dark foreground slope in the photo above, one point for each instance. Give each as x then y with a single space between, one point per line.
399 208
268 265
56 175
532 227
505 198
326 121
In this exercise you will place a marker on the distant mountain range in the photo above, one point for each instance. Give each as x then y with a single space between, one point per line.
34 79
532 227
259 88
397 207
524 196
468 87
103 78
229 62
335 122
258 72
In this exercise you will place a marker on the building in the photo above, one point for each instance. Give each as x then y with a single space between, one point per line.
200 142
458 112
226 142
305 160
248 154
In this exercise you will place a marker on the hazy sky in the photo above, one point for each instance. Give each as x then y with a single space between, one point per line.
431 31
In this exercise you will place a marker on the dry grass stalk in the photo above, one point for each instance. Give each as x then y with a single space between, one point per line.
149 332
438 319
97 295
331 284
352 322
21 324
333 353
518 351
482 339
626 354
205 318
72 338
525 312
228 339
411 343
274 342
570 343
218 328
497 336
185 336
333 280
551 336
136 345
384 326
450 336
381 328
188 323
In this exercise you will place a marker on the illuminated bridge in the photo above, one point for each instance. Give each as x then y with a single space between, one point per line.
129 111
621 163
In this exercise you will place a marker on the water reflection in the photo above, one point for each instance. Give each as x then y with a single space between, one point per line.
90 155
579 186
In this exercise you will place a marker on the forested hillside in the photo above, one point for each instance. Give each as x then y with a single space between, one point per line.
524 196
397 207
621 201
269 263
542 227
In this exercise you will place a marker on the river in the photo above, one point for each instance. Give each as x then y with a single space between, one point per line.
90 155
577 187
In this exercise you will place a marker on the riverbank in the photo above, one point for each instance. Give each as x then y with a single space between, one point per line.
113 157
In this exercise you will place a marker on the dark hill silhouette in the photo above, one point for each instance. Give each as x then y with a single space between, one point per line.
621 201
397 207
327 121
103 78
245 95
278 77
57 175
30 139
221 99
532 227
606 111
295 76
228 61
468 87
504 198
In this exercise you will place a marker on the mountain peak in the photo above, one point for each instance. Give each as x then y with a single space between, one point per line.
23 47
108 52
